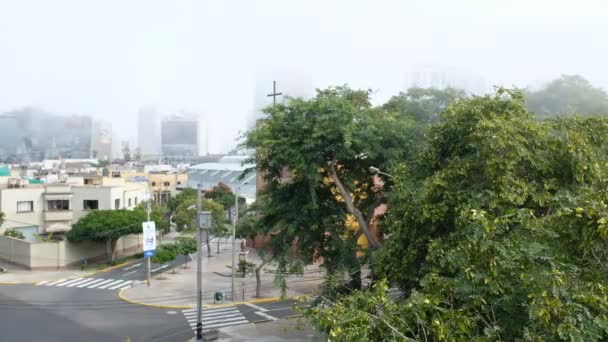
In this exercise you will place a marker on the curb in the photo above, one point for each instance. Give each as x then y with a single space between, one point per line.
122 296
158 306
107 269
17 283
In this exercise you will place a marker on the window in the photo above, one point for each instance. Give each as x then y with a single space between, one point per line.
58 205
25 206
153 183
167 184
129 203
117 203
135 200
90 204
179 183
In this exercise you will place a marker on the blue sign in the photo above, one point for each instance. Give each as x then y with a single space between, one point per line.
151 253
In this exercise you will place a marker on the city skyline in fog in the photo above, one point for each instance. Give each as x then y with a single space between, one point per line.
109 59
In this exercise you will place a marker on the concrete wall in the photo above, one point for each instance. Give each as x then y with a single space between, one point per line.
61 254
8 205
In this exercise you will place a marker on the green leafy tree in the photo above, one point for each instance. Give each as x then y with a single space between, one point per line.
566 96
497 231
185 215
221 194
186 246
315 157
107 226
1 218
14 233
424 105
165 254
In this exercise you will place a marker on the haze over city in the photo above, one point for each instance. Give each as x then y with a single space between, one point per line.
108 59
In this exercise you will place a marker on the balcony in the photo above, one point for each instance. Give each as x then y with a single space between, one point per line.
58 215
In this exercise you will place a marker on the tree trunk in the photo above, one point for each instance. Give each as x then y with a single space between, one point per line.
258 279
113 250
218 245
208 245
350 206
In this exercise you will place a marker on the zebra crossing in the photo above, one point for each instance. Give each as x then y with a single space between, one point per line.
216 318
89 283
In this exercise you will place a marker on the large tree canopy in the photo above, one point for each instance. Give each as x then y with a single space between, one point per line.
424 105
107 226
315 157
497 231
566 96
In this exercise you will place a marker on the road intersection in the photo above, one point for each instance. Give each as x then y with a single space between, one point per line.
88 308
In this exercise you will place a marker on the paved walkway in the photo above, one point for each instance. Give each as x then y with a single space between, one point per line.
274 331
179 288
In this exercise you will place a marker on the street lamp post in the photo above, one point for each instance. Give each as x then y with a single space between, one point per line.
204 223
234 221
376 171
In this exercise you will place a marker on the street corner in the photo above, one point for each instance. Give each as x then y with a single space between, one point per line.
129 296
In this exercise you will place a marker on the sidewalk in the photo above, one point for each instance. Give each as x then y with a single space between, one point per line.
179 290
274 331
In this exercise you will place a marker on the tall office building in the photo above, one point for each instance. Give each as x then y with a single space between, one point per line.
31 134
440 77
102 140
148 132
180 137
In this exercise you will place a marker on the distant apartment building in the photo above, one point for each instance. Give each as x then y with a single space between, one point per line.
53 208
163 181
148 133
179 138
32 134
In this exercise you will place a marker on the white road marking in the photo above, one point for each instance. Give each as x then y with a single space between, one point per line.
160 268
225 324
42 282
189 310
265 315
128 282
217 317
98 284
131 267
111 284
90 283
259 308
69 282
55 282
126 287
84 281
212 313
126 274
171 312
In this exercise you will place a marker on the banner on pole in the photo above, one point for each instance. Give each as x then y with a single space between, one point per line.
149 229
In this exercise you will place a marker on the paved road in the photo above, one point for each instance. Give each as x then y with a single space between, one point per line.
34 313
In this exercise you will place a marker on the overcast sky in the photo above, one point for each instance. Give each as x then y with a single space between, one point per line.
108 58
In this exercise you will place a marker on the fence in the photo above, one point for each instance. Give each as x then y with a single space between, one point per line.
61 254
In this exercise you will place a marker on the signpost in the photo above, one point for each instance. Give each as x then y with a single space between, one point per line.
149 236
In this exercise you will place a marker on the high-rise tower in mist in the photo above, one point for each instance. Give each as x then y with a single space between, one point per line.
180 137
148 132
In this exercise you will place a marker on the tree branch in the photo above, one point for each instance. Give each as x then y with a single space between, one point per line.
350 206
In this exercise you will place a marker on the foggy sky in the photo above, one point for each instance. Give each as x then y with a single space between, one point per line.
108 58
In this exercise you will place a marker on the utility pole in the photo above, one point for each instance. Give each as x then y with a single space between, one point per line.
199 268
274 94
234 219
148 267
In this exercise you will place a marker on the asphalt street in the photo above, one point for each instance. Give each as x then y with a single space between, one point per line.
88 309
